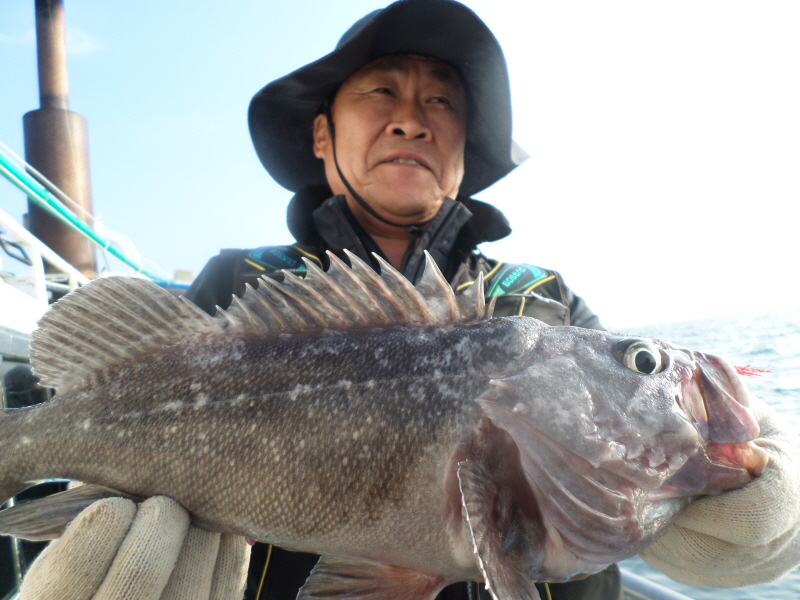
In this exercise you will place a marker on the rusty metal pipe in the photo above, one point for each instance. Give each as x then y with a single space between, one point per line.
56 141
51 53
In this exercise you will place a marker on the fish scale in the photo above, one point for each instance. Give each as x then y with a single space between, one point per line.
327 408
399 432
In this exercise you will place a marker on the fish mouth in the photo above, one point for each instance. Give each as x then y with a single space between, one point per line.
718 405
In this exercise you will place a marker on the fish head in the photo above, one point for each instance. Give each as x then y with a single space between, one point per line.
616 434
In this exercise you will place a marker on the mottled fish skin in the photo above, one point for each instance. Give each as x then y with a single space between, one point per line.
392 435
326 442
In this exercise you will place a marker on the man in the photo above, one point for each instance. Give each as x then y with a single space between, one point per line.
393 138
384 141
371 199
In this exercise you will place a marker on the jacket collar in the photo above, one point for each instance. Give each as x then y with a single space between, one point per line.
316 218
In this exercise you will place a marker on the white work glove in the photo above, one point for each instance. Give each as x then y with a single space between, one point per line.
745 536
114 550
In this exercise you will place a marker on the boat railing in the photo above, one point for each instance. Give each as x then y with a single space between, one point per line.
636 587
38 253
52 199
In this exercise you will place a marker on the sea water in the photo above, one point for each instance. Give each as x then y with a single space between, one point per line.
768 341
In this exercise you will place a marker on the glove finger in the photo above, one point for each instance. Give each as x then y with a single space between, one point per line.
75 565
763 510
191 579
149 552
230 572
706 561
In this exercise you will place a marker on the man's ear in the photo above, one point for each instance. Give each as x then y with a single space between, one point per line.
322 138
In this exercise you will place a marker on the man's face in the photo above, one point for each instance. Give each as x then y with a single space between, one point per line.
400 129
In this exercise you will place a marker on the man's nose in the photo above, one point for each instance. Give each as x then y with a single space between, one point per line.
409 121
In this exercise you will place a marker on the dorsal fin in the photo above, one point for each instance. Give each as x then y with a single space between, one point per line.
345 297
107 322
116 319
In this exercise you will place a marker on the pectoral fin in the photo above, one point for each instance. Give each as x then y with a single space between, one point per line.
362 579
46 518
504 552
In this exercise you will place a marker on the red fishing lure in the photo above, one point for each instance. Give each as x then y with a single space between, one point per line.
751 371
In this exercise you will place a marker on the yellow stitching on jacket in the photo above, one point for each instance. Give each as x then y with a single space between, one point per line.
538 283
490 273
252 264
309 255
521 307
466 284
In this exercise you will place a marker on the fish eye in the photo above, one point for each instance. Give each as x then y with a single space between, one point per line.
640 356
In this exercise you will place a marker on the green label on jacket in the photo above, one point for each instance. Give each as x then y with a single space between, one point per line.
516 279
276 258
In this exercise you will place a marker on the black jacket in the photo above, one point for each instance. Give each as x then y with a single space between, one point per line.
321 223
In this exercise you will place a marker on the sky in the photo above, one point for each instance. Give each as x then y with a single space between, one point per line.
664 137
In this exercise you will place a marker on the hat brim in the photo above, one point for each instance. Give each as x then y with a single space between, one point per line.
281 115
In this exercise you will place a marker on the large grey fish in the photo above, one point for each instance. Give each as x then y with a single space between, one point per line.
401 433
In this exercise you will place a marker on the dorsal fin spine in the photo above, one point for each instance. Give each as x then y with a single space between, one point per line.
454 313
418 311
253 323
339 269
480 298
471 302
225 316
356 296
490 307
259 296
326 311
442 300
382 293
298 305
201 318
317 275
281 302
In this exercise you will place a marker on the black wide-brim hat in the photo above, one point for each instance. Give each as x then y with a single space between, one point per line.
281 115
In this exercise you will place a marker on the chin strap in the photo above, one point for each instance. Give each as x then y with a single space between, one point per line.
415 230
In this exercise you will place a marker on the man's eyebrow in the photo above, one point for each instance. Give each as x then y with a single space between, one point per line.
386 64
446 74
441 71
